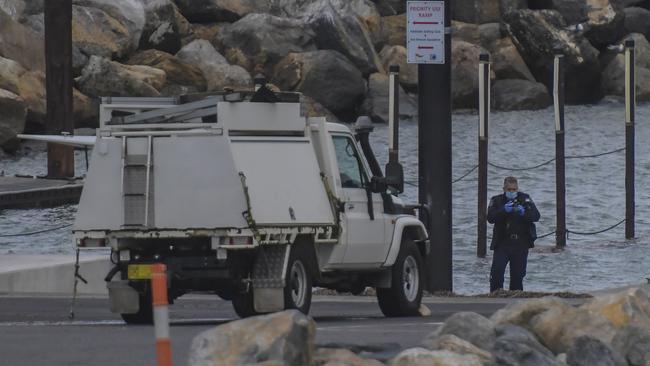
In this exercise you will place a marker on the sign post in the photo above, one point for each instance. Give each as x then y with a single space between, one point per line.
428 38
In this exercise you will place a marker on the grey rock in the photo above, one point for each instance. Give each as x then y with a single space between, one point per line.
286 337
205 11
408 73
636 21
522 312
626 3
471 327
128 13
603 22
424 357
507 63
376 103
102 77
467 32
179 73
201 52
13 8
12 116
633 342
537 33
489 33
517 94
517 334
95 32
464 74
341 357
613 82
325 75
10 73
216 70
31 89
264 39
395 26
452 343
510 353
477 11
311 108
588 351
507 6
164 27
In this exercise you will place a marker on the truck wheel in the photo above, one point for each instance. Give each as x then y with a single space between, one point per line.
244 304
404 296
298 281
145 313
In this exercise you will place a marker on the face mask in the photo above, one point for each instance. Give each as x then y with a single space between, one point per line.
511 195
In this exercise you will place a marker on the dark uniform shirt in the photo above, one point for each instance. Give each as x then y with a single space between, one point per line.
512 228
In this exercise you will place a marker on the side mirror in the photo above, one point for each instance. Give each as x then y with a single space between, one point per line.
395 176
378 184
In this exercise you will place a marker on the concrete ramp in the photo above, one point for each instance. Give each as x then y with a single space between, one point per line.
52 274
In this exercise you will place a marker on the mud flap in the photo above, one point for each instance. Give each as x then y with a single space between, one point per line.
269 272
123 298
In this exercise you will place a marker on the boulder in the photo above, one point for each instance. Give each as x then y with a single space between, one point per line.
311 108
376 103
464 74
509 333
507 6
10 73
336 27
13 8
265 39
408 73
521 312
396 28
471 327
341 357
164 27
477 11
424 357
537 33
32 91
489 33
603 23
466 32
510 353
95 32
325 75
517 94
507 62
636 21
207 31
205 11
633 342
12 116
178 71
286 337
102 77
85 111
628 307
21 44
452 343
626 3
558 328
588 351
384 8
129 13
216 70
613 82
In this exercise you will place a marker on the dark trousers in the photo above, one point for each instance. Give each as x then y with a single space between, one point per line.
518 259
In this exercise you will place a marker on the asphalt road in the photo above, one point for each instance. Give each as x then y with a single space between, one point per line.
37 330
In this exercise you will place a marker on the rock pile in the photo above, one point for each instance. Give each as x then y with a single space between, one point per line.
607 330
336 52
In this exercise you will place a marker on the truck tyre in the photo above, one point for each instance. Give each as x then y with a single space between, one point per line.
405 294
298 280
244 304
145 313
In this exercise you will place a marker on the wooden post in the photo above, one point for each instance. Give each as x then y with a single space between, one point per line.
630 105
560 170
484 116
58 72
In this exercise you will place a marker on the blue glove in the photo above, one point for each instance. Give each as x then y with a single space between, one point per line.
508 207
521 210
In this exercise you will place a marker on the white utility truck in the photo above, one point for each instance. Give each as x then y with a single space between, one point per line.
240 195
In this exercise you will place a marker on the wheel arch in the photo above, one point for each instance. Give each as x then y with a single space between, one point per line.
412 228
308 245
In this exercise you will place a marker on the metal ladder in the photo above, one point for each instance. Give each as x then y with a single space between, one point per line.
137 183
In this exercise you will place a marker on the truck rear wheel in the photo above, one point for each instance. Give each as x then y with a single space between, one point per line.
243 304
405 294
145 313
298 280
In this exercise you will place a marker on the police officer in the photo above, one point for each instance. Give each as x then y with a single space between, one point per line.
513 214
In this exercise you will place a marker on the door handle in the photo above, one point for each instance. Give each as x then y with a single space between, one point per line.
350 206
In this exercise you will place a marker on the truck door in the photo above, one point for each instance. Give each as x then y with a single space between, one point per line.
366 244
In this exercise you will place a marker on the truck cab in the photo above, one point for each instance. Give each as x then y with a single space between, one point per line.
240 195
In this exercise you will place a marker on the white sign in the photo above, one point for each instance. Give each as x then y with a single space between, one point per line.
425 32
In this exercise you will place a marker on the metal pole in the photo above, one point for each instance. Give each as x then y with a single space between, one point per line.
58 71
434 146
630 105
393 114
484 116
560 177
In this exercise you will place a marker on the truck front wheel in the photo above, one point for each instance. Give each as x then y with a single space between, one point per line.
145 312
405 294
298 281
